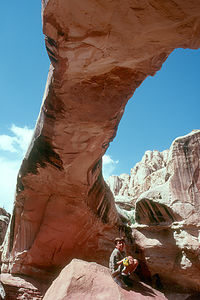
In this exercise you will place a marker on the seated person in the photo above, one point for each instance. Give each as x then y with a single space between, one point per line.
120 265
130 264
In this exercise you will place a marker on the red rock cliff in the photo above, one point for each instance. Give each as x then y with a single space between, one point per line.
100 53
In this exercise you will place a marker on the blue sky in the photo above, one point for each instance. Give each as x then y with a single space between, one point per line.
163 107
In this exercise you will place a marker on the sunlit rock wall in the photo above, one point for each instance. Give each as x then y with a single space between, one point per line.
4 221
147 173
100 53
167 226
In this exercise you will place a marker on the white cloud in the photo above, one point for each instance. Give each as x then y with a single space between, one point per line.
8 179
23 136
109 166
17 143
7 143
13 146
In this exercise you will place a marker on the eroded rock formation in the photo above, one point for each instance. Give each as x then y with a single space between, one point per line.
168 217
147 173
17 288
164 190
100 53
2 292
83 280
4 220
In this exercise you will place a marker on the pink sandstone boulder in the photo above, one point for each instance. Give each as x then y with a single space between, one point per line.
89 281
100 52
19 288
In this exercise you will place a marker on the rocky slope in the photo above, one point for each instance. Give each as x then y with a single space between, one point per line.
100 53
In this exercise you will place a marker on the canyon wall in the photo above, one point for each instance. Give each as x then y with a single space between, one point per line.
167 216
100 53
4 221
147 173
164 193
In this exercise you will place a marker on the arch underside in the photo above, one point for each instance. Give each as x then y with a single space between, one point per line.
100 53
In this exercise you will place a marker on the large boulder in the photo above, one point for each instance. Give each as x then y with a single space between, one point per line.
19 288
100 53
167 227
87 281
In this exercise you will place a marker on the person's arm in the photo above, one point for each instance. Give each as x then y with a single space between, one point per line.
115 265
120 262
131 267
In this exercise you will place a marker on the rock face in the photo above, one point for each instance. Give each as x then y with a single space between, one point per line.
4 220
17 288
119 185
164 189
167 217
2 292
100 53
147 173
83 280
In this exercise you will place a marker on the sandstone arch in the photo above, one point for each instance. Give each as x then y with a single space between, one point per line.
100 53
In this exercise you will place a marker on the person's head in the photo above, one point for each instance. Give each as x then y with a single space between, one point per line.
120 244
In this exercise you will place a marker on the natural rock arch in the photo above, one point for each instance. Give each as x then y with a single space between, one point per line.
100 53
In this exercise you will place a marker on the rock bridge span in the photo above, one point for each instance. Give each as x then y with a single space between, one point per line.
100 53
